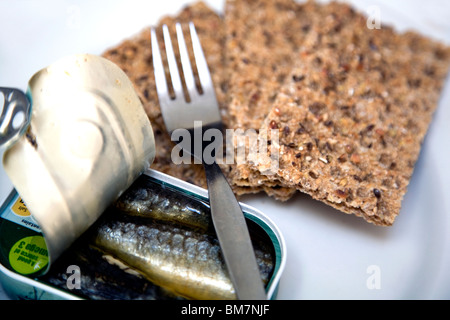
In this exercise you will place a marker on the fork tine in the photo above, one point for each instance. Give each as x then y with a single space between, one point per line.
186 64
160 76
200 60
171 60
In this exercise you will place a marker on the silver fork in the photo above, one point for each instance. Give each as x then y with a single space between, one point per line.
178 113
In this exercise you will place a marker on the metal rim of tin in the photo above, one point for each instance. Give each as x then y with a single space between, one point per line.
250 213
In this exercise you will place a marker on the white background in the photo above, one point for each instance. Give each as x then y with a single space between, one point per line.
329 254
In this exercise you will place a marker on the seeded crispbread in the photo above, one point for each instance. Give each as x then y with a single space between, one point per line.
261 39
354 111
351 105
134 56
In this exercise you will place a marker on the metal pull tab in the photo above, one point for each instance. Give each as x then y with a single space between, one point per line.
15 116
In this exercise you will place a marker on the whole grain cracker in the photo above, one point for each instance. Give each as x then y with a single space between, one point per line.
354 112
262 37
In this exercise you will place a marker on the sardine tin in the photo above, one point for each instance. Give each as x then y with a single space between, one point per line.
88 140
20 286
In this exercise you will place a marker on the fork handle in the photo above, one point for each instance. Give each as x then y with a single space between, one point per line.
234 238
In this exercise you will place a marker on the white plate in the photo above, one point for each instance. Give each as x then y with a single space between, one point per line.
330 255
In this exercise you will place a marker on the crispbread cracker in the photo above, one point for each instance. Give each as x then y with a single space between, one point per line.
261 39
262 36
354 112
351 105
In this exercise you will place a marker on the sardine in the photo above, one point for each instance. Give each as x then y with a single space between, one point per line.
179 259
101 277
151 200
166 240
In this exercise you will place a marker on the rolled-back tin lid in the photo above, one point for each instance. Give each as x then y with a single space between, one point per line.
88 140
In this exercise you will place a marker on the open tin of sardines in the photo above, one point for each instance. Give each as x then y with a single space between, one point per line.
155 242
86 219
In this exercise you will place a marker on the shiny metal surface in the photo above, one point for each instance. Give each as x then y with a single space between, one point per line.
15 114
178 113
89 139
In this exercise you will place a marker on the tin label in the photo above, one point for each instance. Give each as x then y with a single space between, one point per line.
19 214
20 209
29 255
